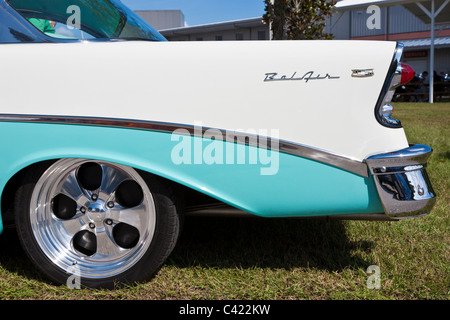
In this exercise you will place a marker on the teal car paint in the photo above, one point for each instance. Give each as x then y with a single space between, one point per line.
300 187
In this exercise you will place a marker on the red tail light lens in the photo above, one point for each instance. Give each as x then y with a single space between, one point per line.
407 73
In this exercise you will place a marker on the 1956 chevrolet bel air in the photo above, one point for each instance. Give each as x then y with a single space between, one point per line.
109 134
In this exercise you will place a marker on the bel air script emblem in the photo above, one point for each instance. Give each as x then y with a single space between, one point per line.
308 76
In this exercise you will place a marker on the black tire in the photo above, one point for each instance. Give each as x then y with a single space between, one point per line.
163 240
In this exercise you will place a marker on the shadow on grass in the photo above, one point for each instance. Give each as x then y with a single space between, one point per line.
443 155
14 259
273 243
238 242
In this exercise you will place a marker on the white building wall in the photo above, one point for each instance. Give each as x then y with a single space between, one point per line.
163 19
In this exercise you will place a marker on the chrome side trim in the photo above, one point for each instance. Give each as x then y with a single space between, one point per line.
402 181
322 156
218 209
225 210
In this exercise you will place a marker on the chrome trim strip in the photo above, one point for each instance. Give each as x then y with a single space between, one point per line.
329 158
218 209
225 210
413 155
402 181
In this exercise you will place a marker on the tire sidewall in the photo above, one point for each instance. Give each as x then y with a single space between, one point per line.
164 238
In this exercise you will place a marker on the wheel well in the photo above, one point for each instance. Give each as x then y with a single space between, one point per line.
7 197
189 197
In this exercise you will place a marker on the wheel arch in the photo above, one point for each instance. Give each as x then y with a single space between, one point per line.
17 175
144 150
13 180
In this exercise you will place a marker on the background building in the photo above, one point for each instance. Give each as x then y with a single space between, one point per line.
247 29
403 23
398 23
163 19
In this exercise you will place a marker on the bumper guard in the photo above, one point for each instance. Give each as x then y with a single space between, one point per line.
402 181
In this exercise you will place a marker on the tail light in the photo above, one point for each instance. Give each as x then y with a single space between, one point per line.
407 73
399 74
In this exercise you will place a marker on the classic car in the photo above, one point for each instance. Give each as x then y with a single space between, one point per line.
110 134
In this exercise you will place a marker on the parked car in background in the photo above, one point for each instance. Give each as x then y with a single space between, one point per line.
110 134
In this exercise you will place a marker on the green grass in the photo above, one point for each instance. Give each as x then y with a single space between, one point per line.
246 258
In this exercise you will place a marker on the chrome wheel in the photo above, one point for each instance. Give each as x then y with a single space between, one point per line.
95 215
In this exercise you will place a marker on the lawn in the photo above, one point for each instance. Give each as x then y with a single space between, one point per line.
246 258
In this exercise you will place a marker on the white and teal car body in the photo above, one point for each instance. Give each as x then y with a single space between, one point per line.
110 134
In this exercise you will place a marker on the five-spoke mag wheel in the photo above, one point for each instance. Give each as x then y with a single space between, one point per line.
99 217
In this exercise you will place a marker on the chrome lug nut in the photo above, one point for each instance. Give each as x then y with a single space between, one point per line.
110 204
91 225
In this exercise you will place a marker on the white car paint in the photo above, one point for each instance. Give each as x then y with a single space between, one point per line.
215 84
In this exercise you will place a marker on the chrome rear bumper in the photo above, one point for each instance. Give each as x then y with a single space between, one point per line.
402 181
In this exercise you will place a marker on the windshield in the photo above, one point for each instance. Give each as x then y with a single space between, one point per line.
85 19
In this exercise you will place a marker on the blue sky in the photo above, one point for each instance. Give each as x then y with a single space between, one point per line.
204 11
